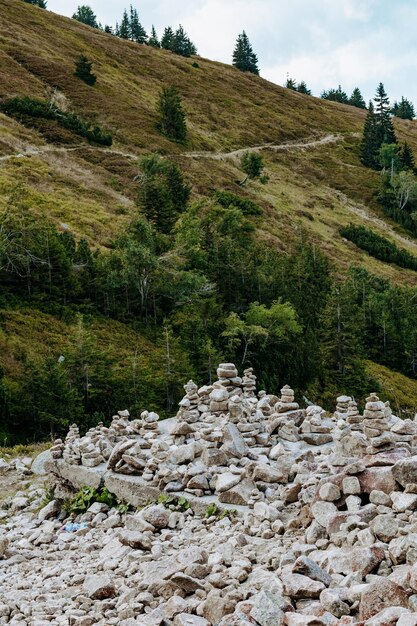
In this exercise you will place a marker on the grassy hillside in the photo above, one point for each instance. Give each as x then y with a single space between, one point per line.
310 147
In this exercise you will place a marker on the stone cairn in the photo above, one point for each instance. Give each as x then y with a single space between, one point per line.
342 407
376 426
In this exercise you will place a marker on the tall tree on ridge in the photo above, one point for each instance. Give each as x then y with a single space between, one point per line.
85 15
244 57
124 31
385 128
137 32
153 39
356 99
167 38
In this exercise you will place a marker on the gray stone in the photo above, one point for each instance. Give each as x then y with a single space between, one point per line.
99 587
265 610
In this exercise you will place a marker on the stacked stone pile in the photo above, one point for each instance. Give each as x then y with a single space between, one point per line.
376 425
324 529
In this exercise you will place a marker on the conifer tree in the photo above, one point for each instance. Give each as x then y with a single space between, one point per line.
83 70
404 109
172 117
167 38
370 146
302 88
137 32
86 15
39 3
124 31
108 29
385 128
181 43
244 57
356 99
406 157
335 95
153 39
291 84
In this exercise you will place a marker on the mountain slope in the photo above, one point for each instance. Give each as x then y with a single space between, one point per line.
310 148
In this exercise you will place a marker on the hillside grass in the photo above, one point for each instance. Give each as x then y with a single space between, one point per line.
92 190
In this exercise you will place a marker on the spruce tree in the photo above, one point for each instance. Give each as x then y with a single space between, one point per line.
86 15
356 99
244 57
370 144
181 43
335 95
302 88
385 128
153 39
291 84
83 70
167 38
124 31
171 115
137 32
404 109
406 157
39 3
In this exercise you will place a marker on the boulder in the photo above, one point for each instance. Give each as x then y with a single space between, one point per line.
99 587
381 594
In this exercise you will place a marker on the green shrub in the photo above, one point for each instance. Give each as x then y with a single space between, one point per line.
20 108
227 199
86 496
378 247
252 164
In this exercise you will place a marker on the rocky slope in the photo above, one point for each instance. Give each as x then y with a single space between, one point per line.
294 517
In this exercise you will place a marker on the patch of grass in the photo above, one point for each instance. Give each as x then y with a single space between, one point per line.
400 390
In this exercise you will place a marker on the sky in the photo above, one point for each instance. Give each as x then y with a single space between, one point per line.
323 42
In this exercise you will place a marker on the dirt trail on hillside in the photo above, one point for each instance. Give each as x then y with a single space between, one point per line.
218 156
302 145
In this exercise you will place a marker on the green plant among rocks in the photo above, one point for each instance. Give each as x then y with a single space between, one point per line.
86 496
214 511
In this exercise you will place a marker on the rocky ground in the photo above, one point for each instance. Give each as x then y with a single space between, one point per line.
324 531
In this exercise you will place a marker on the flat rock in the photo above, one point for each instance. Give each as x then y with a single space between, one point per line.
297 586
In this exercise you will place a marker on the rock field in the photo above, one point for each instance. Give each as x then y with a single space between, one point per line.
270 515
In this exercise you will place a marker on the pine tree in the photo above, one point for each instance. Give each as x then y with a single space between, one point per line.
356 99
86 15
244 57
108 29
385 128
291 84
167 38
172 117
335 95
407 157
83 70
39 3
137 32
124 31
370 145
181 43
302 88
404 109
153 39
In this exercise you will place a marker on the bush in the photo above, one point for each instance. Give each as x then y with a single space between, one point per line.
252 164
379 247
83 70
227 199
20 108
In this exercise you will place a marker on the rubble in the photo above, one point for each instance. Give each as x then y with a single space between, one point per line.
242 509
